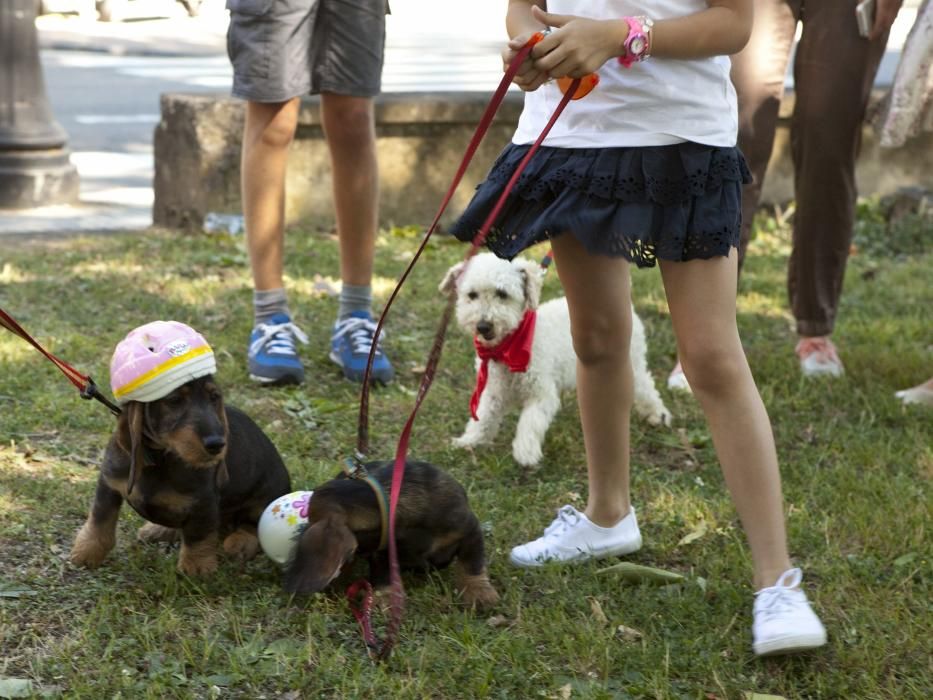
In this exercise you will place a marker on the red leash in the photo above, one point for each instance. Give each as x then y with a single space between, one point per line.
381 650
82 382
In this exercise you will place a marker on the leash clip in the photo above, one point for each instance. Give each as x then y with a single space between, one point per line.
90 391
354 467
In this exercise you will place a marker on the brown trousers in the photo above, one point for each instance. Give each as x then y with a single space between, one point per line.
834 69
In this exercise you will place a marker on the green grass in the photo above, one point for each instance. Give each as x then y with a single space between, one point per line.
856 466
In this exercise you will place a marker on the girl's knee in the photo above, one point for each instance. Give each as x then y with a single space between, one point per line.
710 367
602 342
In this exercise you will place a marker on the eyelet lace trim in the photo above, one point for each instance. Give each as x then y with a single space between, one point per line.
640 204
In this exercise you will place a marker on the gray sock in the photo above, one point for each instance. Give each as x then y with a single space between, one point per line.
269 302
355 297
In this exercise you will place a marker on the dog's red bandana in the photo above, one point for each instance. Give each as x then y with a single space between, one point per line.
514 351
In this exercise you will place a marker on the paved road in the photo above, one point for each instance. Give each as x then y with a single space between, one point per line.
104 82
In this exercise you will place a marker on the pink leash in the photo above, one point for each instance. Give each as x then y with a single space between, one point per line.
381 650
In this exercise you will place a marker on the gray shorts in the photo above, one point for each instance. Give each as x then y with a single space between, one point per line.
282 49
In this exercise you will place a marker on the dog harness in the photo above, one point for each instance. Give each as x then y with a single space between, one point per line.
157 358
514 352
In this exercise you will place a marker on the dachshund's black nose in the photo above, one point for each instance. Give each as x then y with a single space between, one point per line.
214 443
485 329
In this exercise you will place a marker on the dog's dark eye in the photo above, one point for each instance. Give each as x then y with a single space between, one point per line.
472 295
215 396
501 294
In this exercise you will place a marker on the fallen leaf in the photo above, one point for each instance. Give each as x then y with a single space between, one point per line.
565 691
762 696
13 590
498 621
628 634
598 612
636 573
16 687
701 529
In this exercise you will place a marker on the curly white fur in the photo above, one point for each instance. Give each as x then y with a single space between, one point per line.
492 297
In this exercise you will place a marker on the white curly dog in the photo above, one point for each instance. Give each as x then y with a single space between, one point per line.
494 298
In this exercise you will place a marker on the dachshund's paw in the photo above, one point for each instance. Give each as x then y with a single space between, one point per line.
150 532
199 559
91 546
477 591
242 545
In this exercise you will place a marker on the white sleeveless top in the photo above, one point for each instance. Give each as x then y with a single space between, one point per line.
656 102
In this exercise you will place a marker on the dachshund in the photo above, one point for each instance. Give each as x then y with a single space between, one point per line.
191 466
434 525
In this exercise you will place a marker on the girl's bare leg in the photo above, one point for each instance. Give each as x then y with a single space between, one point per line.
701 296
599 297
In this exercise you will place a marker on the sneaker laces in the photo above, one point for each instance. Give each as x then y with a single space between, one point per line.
567 518
781 598
277 339
360 333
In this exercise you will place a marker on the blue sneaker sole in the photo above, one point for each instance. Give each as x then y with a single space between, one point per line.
357 375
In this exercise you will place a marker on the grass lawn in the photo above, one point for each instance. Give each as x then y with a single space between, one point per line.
856 465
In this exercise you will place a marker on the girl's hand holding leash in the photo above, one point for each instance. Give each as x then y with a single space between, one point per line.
529 77
578 46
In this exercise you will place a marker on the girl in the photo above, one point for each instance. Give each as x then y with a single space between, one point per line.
644 169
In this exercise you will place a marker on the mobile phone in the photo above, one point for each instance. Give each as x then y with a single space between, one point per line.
865 16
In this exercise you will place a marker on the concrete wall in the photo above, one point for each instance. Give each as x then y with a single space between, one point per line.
421 140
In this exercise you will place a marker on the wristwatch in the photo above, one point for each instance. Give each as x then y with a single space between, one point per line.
638 42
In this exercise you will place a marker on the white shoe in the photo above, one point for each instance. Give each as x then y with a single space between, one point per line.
921 394
573 537
677 380
784 621
818 357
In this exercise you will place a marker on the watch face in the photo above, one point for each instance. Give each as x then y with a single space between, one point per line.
637 46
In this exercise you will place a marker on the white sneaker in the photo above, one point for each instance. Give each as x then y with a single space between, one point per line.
784 621
921 394
677 380
573 537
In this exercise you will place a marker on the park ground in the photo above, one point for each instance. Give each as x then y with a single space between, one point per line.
856 466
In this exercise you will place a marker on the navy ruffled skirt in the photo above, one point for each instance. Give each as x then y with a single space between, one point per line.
677 202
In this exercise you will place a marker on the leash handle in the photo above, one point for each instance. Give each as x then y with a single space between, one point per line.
360 597
82 382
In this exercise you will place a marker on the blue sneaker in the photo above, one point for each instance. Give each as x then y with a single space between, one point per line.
272 355
350 345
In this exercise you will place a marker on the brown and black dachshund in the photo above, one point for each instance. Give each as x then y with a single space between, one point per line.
190 466
433 525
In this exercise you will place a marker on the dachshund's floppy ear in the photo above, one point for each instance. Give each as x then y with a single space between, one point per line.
129 438
449 283
532 281
323 548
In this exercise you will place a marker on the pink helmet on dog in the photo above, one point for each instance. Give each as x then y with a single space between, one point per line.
157 358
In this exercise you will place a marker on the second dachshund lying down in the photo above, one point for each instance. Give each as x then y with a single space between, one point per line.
434 526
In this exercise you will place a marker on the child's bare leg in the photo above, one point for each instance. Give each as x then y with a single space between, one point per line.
598 295
701 296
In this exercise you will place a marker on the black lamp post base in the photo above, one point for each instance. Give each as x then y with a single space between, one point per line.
34 178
